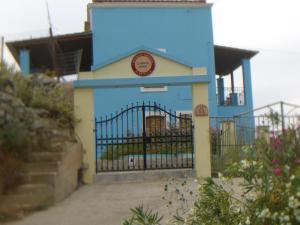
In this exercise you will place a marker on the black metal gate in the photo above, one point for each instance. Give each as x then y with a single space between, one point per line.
144 136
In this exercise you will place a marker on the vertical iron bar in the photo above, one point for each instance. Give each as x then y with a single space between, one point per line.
107 142
282 117
96 142
122 157
133 135
127 137
101 143
167 137
192 140
138 135
144 136
162 137
158 138
152 134
112 140
186 141
117 139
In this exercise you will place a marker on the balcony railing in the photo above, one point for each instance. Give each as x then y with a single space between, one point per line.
228 96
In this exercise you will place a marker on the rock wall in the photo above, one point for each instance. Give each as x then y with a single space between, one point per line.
53 153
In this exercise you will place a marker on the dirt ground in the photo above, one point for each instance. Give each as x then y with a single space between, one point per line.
104 204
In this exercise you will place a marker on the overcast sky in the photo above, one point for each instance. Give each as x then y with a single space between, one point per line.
270 26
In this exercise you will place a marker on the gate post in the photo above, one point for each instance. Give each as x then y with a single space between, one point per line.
84 111
201 132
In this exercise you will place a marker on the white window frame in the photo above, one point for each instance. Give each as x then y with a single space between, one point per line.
154 89
184 112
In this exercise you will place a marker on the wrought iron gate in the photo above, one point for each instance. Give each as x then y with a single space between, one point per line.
144 136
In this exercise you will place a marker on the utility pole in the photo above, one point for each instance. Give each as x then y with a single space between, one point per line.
2 52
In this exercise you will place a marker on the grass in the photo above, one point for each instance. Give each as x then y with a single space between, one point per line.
136 147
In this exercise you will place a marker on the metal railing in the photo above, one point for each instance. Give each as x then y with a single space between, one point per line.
227 96
230 134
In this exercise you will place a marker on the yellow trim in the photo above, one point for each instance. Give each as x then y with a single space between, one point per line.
199 71
122 69
84 110
201 133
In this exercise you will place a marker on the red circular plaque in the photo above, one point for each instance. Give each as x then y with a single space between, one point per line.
143 64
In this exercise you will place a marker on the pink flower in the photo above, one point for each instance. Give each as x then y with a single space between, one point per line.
277 171
274 161
275 142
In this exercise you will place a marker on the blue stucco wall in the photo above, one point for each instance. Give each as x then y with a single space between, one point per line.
111 100
186 34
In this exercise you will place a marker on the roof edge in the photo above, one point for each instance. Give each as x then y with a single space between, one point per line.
248 51
162 4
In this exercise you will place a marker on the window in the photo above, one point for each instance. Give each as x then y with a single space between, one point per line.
154 89
155 124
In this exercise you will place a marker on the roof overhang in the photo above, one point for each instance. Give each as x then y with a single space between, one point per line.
40 50
227 59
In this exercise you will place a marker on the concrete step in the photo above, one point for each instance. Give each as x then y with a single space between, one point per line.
48 178
46 156
144 175
51 166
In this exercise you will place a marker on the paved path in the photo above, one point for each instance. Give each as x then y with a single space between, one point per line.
102 204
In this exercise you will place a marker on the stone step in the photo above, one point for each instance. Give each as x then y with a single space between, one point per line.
46 156
32 189
39 178
51 166
17 203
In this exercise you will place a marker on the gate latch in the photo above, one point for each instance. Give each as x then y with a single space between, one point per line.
148 140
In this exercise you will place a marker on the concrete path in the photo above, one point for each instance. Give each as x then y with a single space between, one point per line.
103 204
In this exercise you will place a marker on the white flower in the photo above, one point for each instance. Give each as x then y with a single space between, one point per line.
287 167
265 213
275 215
286 218
248 221
292 177
245 164
293 202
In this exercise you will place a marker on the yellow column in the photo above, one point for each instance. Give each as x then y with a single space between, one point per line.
84 110
201 133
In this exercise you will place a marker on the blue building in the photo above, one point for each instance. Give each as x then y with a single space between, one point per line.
147 70
178 31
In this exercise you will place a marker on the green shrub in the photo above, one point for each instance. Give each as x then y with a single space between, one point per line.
269 178
143 217
14 140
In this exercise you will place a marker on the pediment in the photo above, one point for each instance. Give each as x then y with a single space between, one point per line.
160 63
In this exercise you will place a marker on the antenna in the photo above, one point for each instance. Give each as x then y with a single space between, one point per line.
2 52
49 20
52 44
